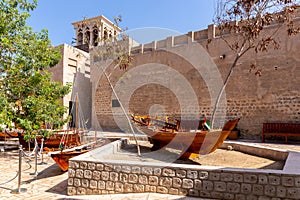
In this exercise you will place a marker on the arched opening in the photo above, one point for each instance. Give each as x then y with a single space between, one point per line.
95 37
87 36
110 36
80 38
105 34
115 35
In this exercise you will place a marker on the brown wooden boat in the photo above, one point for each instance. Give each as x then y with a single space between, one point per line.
62 157
188 136
68 137
71 147
9 134
72 138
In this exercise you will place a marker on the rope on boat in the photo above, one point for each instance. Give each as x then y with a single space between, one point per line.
61 143
81 124
124 111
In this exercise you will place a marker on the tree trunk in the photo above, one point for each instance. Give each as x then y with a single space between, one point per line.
223 89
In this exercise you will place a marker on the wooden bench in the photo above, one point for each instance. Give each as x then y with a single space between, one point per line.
280 129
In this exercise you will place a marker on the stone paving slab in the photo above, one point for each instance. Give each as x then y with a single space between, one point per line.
292 163
288 147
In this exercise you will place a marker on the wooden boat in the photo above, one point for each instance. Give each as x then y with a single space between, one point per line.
188 136
69 137
62 157
9 134
72 138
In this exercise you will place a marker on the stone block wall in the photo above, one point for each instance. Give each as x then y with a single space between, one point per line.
271 97
96 177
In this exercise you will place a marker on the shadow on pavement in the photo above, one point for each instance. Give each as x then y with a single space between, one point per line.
60 188
51 171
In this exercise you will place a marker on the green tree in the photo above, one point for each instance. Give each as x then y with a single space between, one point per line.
28 97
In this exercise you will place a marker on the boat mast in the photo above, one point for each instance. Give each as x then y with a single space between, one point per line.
123 109
76 112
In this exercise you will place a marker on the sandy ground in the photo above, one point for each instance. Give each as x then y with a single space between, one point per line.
227 158
220 157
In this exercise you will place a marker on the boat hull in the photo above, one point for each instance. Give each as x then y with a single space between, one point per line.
62 158
53 142
191 143
8 134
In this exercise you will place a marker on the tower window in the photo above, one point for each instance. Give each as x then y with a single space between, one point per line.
80 38
95 37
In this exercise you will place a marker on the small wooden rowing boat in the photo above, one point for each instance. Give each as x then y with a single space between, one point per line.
188 136
62 157
72 146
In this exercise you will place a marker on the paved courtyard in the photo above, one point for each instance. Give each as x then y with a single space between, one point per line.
51 183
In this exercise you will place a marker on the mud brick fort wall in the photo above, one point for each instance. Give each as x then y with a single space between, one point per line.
150 84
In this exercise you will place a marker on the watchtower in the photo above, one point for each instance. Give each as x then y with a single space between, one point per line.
90 32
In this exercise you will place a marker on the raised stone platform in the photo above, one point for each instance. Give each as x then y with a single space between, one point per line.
108 170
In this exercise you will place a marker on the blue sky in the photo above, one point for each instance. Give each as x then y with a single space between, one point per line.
177 15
